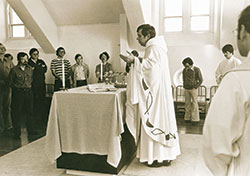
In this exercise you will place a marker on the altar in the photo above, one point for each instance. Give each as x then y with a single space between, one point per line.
86 130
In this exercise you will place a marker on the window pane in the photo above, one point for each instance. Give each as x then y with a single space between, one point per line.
15 18
173 24
200 7
18 31
200 23
173 8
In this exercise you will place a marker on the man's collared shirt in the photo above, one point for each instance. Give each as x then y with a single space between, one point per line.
192 77
56 65
21 78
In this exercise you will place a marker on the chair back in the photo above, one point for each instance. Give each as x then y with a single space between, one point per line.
212 92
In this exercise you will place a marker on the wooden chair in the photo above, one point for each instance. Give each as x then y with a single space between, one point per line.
180 99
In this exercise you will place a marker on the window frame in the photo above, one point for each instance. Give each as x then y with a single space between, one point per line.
9 15
186 18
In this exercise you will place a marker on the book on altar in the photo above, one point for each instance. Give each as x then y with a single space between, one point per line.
101 87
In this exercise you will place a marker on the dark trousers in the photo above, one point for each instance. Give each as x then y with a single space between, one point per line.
81 83
22 110
58 84
5 116
39 103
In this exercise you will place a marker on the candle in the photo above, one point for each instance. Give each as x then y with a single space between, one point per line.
63 75
101 71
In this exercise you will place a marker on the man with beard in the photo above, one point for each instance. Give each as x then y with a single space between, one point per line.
22 97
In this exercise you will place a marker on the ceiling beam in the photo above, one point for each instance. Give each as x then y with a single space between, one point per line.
38 21
134 13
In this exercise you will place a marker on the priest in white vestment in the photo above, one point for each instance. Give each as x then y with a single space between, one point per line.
227 126
150 101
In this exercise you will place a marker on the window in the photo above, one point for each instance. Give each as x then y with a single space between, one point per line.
16 27
187 16
173 15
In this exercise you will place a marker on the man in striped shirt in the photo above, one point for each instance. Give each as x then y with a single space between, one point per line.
56 68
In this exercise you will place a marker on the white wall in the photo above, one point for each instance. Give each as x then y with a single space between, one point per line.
88 40
230 14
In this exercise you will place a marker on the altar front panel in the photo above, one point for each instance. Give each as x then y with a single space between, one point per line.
86 122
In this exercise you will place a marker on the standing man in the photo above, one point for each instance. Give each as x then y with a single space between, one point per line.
80 72
158 143
227 126
227 64
192 79
22 95
57 69
38 85
103 70
5 66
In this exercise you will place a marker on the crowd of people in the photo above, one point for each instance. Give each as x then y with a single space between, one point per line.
22 91
23 87
78 74
25 82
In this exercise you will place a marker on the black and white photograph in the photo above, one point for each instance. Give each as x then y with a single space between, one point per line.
124 87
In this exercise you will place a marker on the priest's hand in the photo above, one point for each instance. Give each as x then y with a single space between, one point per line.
128 59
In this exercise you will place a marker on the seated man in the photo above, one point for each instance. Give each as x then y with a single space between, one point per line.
104 69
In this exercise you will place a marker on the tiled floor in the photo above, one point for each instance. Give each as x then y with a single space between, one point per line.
8 143
189 127
31 160
189 163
